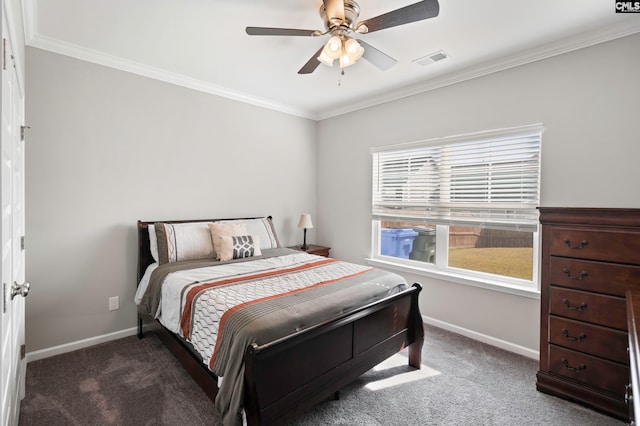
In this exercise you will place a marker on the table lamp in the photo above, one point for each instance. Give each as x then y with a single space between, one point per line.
305 222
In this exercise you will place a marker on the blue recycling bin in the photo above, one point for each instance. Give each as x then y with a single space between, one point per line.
397 242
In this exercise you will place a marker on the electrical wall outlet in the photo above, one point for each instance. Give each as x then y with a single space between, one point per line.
114 303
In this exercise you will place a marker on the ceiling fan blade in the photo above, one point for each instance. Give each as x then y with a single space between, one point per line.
335 10
312 63
376 57
414 12
263 31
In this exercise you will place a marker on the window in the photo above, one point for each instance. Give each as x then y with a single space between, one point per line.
463 205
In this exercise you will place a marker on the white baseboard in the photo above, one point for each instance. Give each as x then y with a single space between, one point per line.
72 346
502 344
68 347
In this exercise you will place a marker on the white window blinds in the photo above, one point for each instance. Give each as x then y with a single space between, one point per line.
484 179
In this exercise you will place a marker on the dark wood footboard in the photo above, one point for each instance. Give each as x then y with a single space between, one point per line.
286 377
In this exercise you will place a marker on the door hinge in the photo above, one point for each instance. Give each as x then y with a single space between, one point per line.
22 243
4 298
23 351
4 53
22 131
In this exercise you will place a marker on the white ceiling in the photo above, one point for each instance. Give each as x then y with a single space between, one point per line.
202 44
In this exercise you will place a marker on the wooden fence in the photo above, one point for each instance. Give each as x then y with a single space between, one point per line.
465 237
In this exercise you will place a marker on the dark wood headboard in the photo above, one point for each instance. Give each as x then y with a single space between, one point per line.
144 247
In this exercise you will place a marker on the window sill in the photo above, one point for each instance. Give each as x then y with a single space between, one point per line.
494 285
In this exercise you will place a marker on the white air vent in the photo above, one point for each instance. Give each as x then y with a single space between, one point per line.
431 58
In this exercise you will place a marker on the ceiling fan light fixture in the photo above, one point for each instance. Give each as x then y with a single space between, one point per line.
353 49
346 61
325 59
334 47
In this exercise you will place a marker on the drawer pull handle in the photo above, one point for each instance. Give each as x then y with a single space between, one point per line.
580 277
568 367
578 247
580 308
580 337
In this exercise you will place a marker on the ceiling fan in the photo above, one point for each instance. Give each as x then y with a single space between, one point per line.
340 21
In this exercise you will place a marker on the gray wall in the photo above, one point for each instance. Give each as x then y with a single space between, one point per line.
107 148
587 100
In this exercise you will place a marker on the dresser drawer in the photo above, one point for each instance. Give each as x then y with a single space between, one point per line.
589 338
593 276
589 370
611 246
595 308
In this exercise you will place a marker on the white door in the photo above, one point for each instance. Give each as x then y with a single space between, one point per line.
11 242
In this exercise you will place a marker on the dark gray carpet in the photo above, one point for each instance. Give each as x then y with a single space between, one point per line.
137 382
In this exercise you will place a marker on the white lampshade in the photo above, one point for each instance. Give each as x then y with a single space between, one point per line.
332 51
333 48
352 52
305 221
345 61
353 49
325 59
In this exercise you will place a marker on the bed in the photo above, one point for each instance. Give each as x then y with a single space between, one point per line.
266 331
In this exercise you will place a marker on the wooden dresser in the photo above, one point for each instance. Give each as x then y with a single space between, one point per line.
590 258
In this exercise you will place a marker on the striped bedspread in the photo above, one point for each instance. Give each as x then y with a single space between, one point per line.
262 300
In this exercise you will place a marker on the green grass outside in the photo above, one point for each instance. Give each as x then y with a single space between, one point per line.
514 262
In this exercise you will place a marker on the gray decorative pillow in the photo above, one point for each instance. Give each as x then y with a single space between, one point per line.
239 246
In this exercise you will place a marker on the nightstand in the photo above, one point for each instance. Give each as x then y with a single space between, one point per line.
314 249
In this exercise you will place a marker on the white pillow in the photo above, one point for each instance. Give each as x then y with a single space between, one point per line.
183 241
262 227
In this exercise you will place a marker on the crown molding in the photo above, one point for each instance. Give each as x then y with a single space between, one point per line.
512 61
100 58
